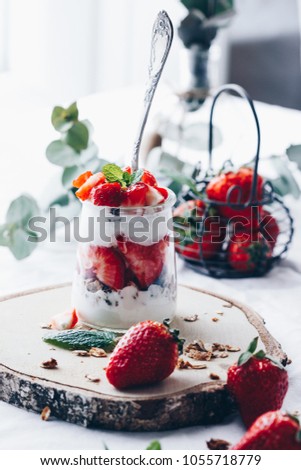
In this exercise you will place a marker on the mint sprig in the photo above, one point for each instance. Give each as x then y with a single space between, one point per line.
114 174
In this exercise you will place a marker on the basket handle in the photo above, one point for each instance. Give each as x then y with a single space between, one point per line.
238 90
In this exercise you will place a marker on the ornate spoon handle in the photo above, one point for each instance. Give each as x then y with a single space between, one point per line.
162 36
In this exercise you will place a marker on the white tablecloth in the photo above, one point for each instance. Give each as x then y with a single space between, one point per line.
277 297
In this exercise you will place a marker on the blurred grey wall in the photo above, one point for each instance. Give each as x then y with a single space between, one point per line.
264 51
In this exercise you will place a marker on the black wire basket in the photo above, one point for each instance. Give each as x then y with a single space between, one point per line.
233 225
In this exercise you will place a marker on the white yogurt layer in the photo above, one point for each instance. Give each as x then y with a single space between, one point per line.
101 225
121 309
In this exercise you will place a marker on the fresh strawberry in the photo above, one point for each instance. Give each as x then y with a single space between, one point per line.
194 246
202 248
81 179
148 178
258 382
272 431
135 195
193 208
64 321
108 266
235 188
146 354
146 262
262 222
269 228
107 194
249 252
84 191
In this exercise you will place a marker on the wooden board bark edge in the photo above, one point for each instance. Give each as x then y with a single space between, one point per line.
207 403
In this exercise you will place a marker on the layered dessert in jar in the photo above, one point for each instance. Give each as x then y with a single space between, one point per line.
125 257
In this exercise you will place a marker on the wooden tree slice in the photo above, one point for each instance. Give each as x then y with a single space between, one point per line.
188 397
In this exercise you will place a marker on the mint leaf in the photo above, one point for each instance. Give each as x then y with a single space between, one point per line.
154 445
113 173
136 177
127 178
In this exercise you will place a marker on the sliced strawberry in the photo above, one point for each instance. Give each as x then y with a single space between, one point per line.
107 194
135 195
109 266
153 196
163 192
84 191
128 169
64 321
149 178
146 262
81 179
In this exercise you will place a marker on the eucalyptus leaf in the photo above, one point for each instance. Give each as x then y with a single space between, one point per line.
181 179
62 200
61 154
4 235
21 210
285 182
154 445
294 154
208 7
19 245
72 172
62 119
78 137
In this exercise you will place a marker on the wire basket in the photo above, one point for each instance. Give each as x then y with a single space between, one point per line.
233 225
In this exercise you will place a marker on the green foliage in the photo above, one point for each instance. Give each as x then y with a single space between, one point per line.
154 445
114 173
75 153
209 8
14 232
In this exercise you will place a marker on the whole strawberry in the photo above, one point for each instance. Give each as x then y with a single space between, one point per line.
146 354
272 431
258 383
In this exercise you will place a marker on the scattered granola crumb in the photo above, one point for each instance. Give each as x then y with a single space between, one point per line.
215 319
229 305
198 351
223 355
97 352
218 444
192 318
214 376
219 312
50 364
92 378
187 365
46 412
52 349
80 352
45 326
218 347
232 348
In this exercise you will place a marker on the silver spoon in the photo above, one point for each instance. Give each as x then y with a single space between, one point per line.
162 36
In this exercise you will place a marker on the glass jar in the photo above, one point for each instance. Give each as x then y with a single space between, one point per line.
125 265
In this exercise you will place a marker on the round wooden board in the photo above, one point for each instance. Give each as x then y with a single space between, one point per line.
188 397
